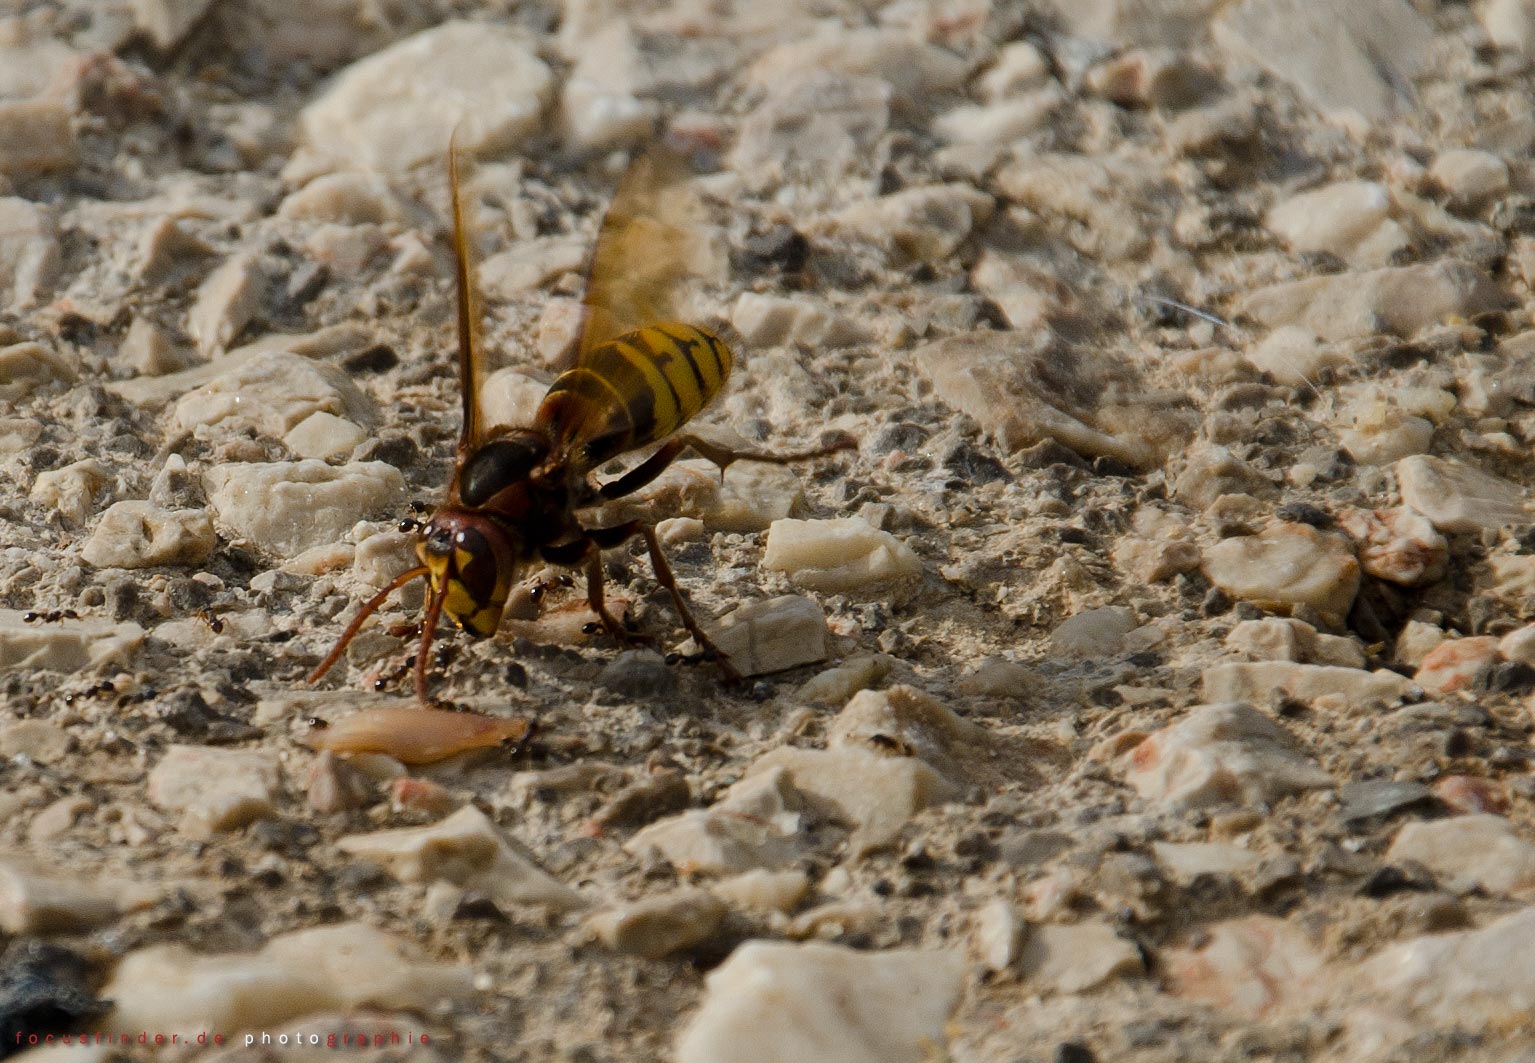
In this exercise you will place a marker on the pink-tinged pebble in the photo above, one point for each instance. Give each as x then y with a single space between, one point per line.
420 795
1397 545
1471 794
1450 666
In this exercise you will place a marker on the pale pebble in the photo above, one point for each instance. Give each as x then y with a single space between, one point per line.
338 967
226 302
1094 633
34 900
836 685
1349 62
1460 498
840 554
753 825
1286 566
29 252
1261 680
1077 957
763 890
984 375
1221 754
69 646
1398 300
1469 852
135 534
1189 860
658 926
773 635
480 81
1452 665
1250 967
25 367
324 435
215 789
769 1001
996 935
1470 177
1398 545
71 491
289 507
470 851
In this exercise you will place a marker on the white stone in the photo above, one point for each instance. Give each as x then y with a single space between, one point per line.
1470 981
1285 566
532 264
765 891
661 925
1351 60
776 321
343 199
509 397
842 554
774 635
1094 633
214 789
29 252
167 21
754 825
1510 24
1028 295
36 137
1383 433
1188 860
1346 219
915 71
38 901
1397 545
1519 645
869 792
1470 177
395 110
1018 65
782 1003
71 491
1398 300
980 374
818 124
134 534
342 967
915 225
67 646
1293 355
836 685
599 108
1284 639
1075 958
1469 852
1221 754
469 851
286 508
1249 966
999 124
1415 642
1460 498
324 435
226 302
1260 680
997 935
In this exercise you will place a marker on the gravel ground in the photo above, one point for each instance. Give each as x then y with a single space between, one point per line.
1152 683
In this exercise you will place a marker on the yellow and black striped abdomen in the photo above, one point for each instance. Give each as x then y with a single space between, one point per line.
633 390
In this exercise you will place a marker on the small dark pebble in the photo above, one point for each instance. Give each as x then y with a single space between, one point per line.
1391 879
380 358
44 989
1304 513
1074 1052
638 674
